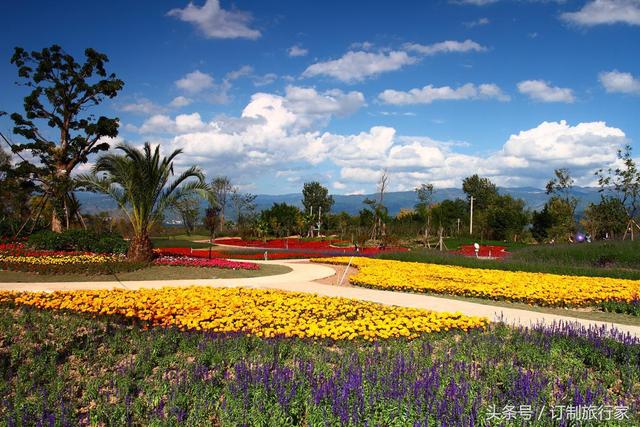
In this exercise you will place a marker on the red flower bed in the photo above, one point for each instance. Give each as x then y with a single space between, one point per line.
19 249
293 243
272 255
485 251
184 261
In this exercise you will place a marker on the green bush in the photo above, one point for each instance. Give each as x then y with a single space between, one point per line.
78 240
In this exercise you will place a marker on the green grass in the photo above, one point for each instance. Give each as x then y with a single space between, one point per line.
164 273
111 371
601 254
576 260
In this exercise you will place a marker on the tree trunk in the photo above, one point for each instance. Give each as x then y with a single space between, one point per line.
140 249
56 224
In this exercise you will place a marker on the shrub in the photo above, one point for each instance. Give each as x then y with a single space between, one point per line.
78 240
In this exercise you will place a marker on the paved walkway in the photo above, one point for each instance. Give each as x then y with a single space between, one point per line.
301 279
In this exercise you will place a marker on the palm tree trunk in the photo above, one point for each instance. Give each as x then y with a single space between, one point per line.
140 248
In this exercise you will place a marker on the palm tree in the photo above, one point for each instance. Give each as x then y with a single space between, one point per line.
138 181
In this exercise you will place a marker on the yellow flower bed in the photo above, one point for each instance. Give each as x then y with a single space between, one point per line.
58 259
533 288
265 313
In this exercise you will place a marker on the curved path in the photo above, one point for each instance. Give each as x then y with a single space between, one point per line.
302 278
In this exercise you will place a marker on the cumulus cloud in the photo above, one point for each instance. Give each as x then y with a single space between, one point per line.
296 50
141 106
265 79
619 82
429 93
284 133
447 46
179 102
215 22
606 12
195 82
356 66
542 91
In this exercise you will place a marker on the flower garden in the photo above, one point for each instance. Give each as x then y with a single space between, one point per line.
532 288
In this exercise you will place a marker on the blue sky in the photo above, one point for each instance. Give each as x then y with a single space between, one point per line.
274 94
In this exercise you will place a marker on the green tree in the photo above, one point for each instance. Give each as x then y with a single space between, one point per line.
541 223
424 193
16 189
623 181
189 210
562 205
138 181
606 219
506 218
446 214
222 189
563 222
62 90
315 196
282 219
482 190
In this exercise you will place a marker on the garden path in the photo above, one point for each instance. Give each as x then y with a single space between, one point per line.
302 278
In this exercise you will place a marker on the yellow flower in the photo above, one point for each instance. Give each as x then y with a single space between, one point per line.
532 288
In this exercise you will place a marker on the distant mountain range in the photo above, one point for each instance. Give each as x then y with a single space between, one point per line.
352 204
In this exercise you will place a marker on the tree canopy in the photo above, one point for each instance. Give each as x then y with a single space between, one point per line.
55 125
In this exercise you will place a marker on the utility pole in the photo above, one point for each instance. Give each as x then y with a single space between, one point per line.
471 218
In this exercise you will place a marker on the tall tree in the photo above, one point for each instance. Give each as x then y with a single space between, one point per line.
424 194
317 204
507 217
139 182
62 90
623 181
315 196
222 188
282 219
562 205
481 189
189 209
16 189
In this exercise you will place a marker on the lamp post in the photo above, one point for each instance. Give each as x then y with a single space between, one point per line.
471 218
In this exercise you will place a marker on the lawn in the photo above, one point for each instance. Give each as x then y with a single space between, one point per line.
148 273
67 369
602 259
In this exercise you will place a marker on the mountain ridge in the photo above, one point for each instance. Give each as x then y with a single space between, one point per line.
394 200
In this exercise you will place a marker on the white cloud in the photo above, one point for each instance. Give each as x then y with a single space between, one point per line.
161 123
296 50
265 79
195 82
142 106
356 66
179 101
447 46
282 133
618 82
478 22
542 91
217 23
599 12
429 93
365 45
313 107
245 70
475 2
